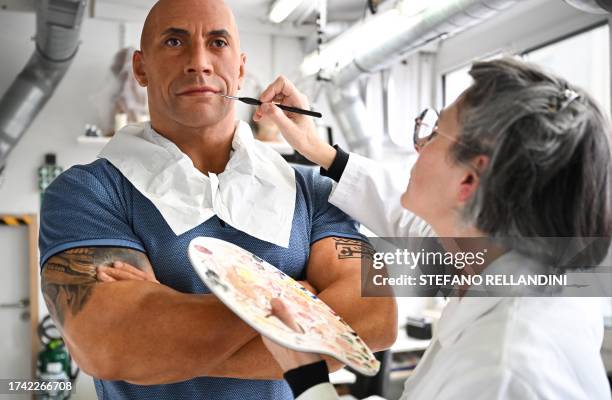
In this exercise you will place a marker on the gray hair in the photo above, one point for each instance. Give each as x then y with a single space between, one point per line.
549 173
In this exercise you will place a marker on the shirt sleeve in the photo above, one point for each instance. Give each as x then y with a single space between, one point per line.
328 220
337 167
84 208
367 192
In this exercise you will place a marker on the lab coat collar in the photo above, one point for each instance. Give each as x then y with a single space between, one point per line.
255 193
460 313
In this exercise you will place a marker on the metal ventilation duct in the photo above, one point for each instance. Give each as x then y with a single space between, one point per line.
592 6
352 117
58 24
435 23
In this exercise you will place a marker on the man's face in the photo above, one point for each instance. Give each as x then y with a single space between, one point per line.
190 51
438 186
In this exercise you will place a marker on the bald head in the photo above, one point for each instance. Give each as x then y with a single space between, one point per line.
190 50
164 12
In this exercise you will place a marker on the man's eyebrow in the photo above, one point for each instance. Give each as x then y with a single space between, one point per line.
219 32
185 32
175 31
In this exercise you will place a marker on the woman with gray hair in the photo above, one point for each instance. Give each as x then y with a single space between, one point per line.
519 160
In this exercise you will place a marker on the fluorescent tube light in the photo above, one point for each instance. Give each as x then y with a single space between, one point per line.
281 9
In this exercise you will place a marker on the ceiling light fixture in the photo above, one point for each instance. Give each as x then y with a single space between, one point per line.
281 9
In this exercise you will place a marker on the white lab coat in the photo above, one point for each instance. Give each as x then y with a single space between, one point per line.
519 348
485 348
367 193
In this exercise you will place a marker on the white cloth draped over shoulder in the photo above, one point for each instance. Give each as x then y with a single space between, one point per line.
255 193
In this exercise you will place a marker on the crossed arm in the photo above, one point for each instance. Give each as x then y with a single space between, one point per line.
143 332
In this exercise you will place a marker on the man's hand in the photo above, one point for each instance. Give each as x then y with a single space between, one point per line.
287 359
122 271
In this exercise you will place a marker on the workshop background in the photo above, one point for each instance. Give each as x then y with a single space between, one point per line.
310 43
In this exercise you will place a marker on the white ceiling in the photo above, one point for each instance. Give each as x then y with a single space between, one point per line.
345 10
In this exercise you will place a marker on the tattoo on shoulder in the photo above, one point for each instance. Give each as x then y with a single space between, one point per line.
68 278
352 248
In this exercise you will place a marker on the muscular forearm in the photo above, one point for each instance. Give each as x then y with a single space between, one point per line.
374 319
135 330
147 333
252 361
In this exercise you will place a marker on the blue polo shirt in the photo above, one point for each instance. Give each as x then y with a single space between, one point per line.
95 205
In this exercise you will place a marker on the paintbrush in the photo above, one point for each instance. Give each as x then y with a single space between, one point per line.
255 102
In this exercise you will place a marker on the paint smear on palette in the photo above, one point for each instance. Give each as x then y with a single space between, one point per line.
245 283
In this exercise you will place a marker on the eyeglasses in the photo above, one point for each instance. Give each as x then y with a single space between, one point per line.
425 127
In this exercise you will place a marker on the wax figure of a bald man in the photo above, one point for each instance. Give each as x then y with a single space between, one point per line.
173 340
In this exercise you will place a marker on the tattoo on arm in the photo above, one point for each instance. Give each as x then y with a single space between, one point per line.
68 278
351 248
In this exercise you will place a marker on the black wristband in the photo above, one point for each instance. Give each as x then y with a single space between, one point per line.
337 167
303 378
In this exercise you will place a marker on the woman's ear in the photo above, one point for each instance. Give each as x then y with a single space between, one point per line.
138 68
471 179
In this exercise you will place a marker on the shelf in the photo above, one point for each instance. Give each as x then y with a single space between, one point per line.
102 140
400 375
405 343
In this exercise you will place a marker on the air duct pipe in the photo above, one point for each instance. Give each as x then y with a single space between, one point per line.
351 115
592 6
435 22
58 24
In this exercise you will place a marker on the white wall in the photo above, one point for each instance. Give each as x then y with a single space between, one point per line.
65 115
79 100
60 122
525 25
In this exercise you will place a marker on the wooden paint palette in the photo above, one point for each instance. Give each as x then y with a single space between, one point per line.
245 284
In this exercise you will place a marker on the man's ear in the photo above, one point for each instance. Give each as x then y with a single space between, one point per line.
471 178
138 68
242 71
